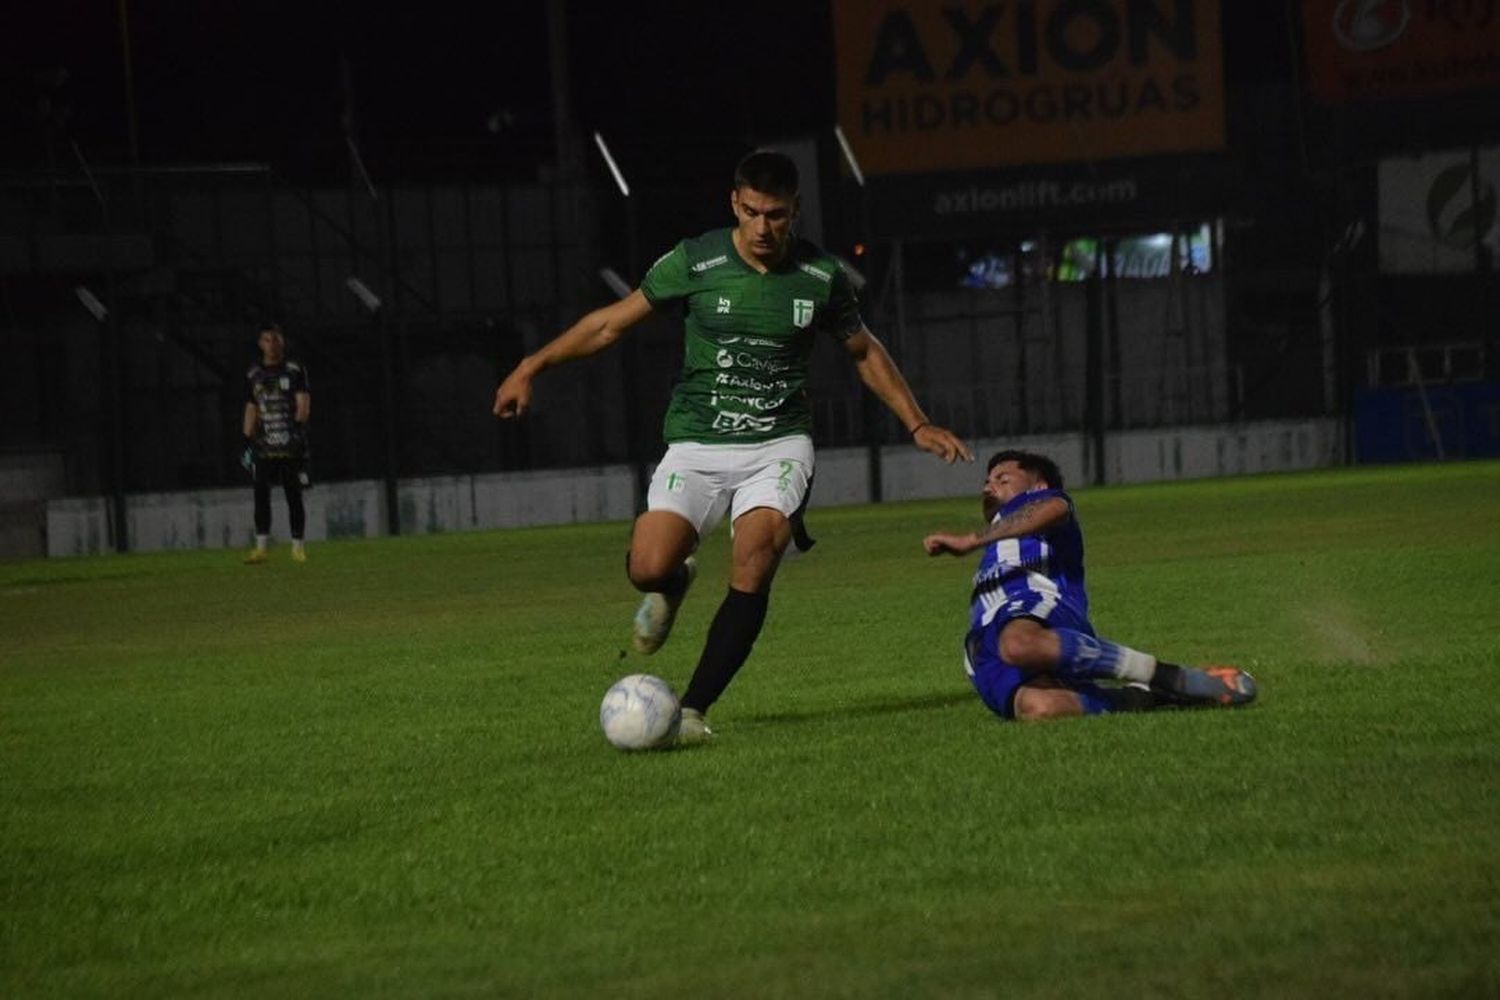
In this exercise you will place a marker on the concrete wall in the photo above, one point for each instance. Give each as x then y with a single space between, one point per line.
222 518
27 482
1129 457
218 519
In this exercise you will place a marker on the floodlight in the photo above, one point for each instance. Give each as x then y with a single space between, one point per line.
91 302
615 282
610 160
361 291
859 175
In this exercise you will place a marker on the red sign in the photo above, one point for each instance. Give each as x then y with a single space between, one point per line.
1373 50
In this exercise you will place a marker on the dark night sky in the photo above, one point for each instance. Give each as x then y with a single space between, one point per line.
668 82
438 84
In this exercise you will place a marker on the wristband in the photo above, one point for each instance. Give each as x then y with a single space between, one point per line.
925 423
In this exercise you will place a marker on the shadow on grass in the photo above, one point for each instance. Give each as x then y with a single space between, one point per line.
926 703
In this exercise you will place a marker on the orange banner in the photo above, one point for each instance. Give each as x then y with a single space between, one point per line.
1373 50
934 85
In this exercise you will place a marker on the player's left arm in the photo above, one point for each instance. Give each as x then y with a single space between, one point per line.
301 394
1029 519
879 372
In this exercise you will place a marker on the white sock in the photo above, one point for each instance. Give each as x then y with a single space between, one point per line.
296 545
1135 665
261 541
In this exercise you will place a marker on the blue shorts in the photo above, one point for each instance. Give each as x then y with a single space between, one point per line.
997 681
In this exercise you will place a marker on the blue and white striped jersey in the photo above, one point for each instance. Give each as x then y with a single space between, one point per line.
1032 575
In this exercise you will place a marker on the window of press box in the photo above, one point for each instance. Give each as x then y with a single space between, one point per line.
1429 363
1143 255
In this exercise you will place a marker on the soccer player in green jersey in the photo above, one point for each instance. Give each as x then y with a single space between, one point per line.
739 427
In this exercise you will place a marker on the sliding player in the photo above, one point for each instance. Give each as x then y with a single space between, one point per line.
1030 650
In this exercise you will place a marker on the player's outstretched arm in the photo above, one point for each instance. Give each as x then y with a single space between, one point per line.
954 545
1029 519
590 335
884 379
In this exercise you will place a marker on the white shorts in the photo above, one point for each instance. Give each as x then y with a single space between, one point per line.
701 482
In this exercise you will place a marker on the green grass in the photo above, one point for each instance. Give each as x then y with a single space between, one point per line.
380 774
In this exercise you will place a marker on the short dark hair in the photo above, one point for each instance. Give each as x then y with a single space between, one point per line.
769 172
1037 465
269 325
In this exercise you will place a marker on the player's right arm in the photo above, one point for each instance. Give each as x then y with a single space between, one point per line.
590 335
251 418
1030 519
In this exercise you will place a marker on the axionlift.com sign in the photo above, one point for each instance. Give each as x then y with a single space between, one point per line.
1152 191
940 85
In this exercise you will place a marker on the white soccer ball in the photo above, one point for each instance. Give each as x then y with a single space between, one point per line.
640 712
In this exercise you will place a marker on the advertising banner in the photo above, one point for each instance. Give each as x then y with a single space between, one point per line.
1373 50
925 85
1437 212
1066 197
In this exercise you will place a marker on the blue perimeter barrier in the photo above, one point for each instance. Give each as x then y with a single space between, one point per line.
1390 425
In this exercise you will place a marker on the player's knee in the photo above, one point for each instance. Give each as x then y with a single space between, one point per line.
1022 649
754 572
1041 704
649 571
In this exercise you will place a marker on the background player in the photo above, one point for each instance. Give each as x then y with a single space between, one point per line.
275 428
739 425
1031 652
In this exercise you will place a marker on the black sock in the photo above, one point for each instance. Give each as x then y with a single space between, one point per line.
730 637
676 583
1129 699
1168 676
262 494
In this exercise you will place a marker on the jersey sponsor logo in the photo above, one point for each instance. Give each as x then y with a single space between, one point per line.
728 359
712 262
753 402
742 423
816 272
802 312
754 385
723 306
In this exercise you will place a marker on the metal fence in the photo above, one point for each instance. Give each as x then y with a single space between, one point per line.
144 393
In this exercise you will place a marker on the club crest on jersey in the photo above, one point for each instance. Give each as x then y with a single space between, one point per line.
723 305
286 383
802 312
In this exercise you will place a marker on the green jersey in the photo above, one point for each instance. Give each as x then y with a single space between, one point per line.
749 336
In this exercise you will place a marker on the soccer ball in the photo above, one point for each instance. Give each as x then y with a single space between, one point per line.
640 712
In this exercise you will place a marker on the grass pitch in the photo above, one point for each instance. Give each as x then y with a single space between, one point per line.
380 773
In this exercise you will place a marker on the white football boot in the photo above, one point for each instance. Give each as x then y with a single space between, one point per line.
654 618
693 729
